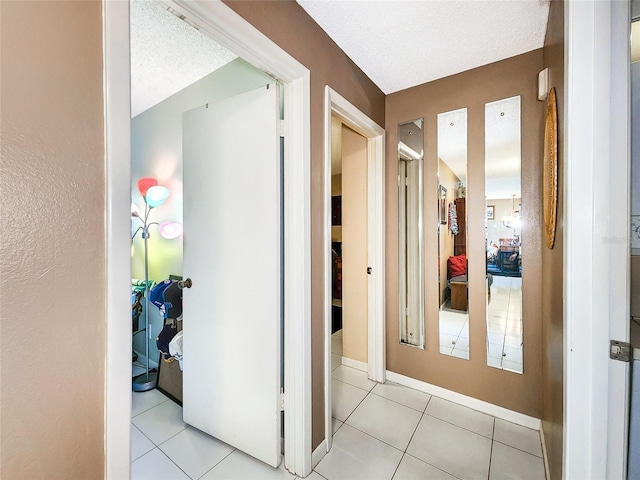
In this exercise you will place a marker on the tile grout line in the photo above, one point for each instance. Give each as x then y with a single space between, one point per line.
171 460
221 460
434 466
398 466
399 403
367 391
463 428
493 434
519 449
150 408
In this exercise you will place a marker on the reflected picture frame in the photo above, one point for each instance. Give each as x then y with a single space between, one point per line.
442 202
491 212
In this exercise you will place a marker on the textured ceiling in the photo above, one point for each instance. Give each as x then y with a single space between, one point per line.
167 54
400 44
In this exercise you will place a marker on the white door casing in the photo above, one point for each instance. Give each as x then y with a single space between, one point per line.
335 104
596 248
229 29
232 253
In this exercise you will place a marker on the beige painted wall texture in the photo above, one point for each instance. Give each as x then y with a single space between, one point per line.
289 26
52 315
552 265
354 246
471 89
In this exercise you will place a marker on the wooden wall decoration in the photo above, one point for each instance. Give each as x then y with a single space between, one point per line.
550 169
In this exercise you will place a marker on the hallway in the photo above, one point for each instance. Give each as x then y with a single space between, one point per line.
380 432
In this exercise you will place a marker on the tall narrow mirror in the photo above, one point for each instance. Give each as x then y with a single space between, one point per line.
503 234
452 234
410 244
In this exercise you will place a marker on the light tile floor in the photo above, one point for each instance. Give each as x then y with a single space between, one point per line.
380 432
395 432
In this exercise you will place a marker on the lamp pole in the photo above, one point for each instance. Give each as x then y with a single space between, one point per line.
149 379
154 195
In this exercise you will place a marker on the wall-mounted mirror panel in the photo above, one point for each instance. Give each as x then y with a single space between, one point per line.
452 234
410 239
503 234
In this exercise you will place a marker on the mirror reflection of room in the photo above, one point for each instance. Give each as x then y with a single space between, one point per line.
503 234
410 238
452 228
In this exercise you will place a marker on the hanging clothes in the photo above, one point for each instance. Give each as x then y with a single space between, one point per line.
453 219
175 348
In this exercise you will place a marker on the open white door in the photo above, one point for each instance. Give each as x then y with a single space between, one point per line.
232 253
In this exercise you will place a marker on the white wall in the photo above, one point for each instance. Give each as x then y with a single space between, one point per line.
156 151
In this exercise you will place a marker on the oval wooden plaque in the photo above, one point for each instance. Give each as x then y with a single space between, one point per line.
550 169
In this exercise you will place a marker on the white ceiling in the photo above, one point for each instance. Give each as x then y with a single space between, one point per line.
400 44
167 54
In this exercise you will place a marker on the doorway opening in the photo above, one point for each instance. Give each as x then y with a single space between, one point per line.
366 135
233 32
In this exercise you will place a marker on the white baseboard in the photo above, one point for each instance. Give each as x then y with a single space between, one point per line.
318 454
358 365
547 473
474 403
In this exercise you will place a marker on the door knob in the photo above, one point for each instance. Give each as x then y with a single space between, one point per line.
185 283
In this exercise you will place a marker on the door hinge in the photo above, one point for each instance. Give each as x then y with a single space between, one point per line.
620 351
281 400
282 128
368 270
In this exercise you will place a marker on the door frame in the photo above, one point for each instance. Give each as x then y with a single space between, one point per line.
234 32
596 174
336 104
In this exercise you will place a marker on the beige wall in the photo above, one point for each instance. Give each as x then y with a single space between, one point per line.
450 181
52 286
552 269
288 25
354 246
472 89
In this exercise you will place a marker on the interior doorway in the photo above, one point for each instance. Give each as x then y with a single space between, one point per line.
366 135
226 27
348 247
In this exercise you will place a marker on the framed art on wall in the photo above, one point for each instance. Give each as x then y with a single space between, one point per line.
442 199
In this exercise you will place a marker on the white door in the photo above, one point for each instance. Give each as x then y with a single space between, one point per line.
232 253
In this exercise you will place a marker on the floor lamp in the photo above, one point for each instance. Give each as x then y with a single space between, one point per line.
154 195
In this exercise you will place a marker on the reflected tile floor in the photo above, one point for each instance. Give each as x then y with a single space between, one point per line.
379 432
504 324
